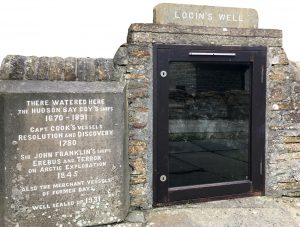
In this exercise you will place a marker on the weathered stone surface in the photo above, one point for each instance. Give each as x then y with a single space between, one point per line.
70 69
133 64
120 57
43 68
296 70
252 211
138 195
104 69
64 153
277 56
209 16
56 68
169 34
283 106
144 37
139 54
137 147
138 179
138 166
293 139
85 69
136 217
138 76
31 68
12 68
293 147
282 156
127 225
179 29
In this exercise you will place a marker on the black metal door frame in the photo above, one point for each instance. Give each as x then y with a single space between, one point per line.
163 55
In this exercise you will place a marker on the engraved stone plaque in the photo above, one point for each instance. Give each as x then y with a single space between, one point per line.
63 153
209 16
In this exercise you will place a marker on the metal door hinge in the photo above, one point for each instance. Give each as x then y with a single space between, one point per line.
262 74
260 168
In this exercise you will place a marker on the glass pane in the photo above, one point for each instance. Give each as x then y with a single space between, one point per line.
209 112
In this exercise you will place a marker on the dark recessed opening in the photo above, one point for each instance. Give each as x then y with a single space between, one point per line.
209 122
209 113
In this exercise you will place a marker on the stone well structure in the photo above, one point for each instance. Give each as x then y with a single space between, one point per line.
133 64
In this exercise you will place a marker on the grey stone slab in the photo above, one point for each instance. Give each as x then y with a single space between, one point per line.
200 15
136 217
64 153
197 30
195 39
254 211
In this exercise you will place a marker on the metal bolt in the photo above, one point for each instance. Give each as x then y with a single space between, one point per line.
163 74
163 178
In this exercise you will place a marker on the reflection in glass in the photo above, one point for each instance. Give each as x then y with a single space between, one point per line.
209 106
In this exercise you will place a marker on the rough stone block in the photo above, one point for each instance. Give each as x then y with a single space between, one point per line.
85 69
208 16
137 147
31 68
140 77
136 217
12 67
70 69
283 106
292 117
292 139
56 68
104 69
137 179
293 147
63 147
139 166
290 185
297 89
42 68
137 69
277 56
139 54
121 56
138 195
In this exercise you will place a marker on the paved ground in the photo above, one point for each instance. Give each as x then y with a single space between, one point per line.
250 212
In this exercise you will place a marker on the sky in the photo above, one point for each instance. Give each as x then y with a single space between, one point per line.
95 28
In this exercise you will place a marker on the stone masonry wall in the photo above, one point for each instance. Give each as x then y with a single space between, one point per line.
17 67
282 120
283 126
133 63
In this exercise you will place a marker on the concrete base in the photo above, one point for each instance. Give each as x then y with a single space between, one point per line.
252 211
